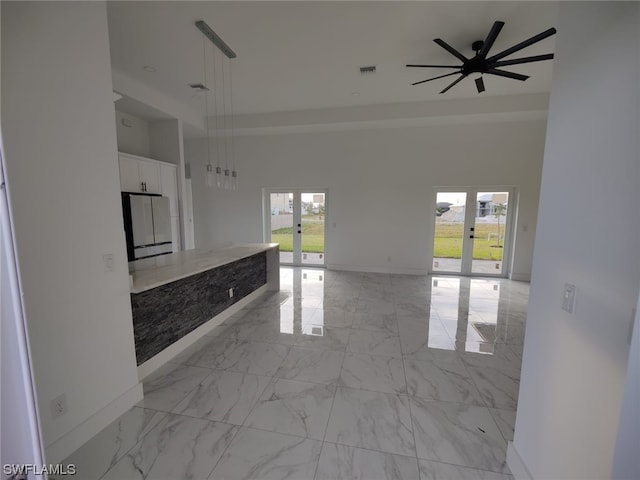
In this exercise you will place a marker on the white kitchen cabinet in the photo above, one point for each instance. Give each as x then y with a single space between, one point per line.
129 175
150 177
139 175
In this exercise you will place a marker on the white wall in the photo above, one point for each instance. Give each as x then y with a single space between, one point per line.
20 440
133 139
63 186
380 186
588 234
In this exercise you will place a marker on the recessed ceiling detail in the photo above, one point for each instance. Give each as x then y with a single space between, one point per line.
306 55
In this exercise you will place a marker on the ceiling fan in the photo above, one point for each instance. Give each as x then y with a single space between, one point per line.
481 64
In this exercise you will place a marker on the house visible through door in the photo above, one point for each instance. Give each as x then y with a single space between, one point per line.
296 220
471 233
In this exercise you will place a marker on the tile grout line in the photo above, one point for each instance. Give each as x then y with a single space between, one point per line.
335 394
413 430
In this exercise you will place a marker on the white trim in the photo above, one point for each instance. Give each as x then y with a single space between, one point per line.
155 362
146 159
467 251
24 363
297 217
74 439
388 270
517 466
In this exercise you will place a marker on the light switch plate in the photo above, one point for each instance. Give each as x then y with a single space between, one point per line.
108 261
569 297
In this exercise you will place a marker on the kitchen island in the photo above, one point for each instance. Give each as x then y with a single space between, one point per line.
177 298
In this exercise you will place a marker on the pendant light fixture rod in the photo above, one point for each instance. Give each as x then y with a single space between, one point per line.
234 173
209 172
215 39
224 127
215 114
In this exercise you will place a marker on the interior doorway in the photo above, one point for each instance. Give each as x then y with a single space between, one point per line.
296 219
472 231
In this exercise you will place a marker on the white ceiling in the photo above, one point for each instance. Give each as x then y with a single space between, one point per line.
306 55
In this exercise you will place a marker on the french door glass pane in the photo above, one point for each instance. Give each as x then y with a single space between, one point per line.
313 223
281 207
489 233
449 231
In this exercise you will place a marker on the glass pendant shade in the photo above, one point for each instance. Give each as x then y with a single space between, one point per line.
218 177
226 178
209 175
234 180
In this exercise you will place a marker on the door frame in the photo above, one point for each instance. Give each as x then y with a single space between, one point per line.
467 243
297 215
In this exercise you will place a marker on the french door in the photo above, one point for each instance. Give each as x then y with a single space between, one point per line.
472 231
296 219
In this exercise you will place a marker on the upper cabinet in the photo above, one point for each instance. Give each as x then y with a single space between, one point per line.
139 175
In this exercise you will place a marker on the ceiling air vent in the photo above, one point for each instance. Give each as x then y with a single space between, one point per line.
199 87
368 70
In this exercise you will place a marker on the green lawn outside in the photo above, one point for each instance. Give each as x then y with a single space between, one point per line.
312 236
448 241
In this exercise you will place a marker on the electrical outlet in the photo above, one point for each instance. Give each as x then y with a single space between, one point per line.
109 263
59 406
569 297
231 293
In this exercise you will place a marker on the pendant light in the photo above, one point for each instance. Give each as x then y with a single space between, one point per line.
234 173
209 172
226 179
215 105
227 172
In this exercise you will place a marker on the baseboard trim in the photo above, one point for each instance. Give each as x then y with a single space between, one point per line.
378 269
517 466
520 277
64 446
155 362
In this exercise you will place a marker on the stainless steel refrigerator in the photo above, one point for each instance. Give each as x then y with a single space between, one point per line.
147 225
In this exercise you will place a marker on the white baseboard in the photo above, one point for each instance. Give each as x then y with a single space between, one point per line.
155 362
520 277
517 466
377 269
64 446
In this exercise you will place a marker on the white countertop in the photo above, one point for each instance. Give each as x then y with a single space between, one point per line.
154 272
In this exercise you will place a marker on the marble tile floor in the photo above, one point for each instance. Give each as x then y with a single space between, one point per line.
339 375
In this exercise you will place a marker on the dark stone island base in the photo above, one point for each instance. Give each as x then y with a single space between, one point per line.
165 314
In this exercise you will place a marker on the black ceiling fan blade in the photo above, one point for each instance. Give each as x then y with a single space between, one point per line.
455 82
450 49
435 78
521 45
503 73
518 61
434 66
480 84
491 38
